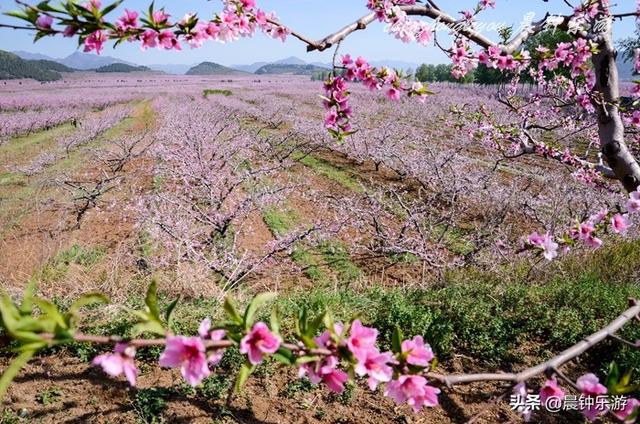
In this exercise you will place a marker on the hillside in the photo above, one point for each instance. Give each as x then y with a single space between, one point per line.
12 67
625 69
290 69
252 68
31 56
210 68
51 65
84 61
121 67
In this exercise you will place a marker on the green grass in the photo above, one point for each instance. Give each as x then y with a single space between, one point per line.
297 386
12 179
454 239
85 257
337 258
331 172
29 146
215 91
502 324
50 396
10 417
150 404
310 264
280 221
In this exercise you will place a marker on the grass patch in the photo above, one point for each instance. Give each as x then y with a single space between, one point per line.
50 396
280 221
310 265
330 171
298 386
454 239
217 92
475 313
12 179
337 258
214 387
151 403
28 146
58 267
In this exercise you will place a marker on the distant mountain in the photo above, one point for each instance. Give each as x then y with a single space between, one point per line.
279 69
250 68
254 67
171 68
210 68
32 56
13 67
121 67
84 61
625 69
51 65
291 61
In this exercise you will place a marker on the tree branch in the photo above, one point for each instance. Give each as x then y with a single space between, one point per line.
438 15
553 363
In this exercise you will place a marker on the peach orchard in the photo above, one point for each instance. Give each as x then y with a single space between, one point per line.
573 92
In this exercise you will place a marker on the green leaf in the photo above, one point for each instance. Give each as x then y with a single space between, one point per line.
111 7
626 378
28 323
329 323
623 390
9 313
275 320
151 300
49 310
26 308
26 337
85 300
613 376
301 322
231 311
18 14
45 6
245 371
138 314
253 307
313 327
13 369
149 327
284 356
168 314
306 359
396 340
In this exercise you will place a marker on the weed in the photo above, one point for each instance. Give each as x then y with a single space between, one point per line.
331 172
209 91
151 403
58 267
9 417
310 265
280 221
214 387
337 257
295 387
50 396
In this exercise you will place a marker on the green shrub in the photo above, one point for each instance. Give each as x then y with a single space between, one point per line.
151 403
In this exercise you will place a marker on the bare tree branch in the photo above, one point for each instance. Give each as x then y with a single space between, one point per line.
553 363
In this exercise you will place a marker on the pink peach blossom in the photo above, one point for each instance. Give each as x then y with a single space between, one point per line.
258 342
189 354
121 361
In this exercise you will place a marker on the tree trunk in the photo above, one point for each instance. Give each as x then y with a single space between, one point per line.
610 126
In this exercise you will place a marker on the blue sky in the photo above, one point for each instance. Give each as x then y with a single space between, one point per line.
314 18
